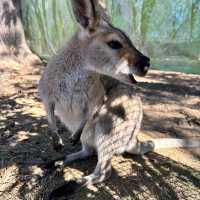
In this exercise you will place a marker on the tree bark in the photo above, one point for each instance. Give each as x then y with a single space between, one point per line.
12 38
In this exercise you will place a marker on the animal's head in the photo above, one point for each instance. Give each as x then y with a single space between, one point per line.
107 50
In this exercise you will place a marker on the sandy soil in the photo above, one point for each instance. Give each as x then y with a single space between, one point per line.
171 109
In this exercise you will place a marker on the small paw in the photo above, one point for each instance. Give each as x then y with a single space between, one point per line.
58 147
58 144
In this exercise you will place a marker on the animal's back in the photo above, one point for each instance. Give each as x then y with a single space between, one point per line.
58 70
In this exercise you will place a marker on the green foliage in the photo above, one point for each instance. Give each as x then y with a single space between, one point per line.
146 18
123 14
47 24
169 30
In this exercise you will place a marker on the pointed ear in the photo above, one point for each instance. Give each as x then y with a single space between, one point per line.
104 13
85 12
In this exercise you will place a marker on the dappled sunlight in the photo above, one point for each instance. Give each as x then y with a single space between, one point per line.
71 173
25 146
152 176
171 100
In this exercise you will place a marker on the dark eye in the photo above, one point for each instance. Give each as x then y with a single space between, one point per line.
114 44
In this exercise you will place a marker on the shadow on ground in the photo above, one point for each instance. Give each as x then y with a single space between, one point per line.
25 146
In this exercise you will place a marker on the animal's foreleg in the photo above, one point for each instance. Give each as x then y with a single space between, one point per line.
75 138
57 140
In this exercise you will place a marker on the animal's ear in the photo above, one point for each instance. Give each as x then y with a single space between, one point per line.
85 12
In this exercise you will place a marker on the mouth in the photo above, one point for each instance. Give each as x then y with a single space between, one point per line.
127 79
141 71
132 79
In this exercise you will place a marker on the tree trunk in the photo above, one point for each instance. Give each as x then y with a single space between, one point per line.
12 39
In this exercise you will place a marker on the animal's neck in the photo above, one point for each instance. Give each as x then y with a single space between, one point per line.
76 55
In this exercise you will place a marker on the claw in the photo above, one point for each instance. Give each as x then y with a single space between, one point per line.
58 144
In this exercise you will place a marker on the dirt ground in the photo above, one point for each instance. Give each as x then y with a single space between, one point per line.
171 109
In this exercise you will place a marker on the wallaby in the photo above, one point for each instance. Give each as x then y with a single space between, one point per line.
114 130
70 85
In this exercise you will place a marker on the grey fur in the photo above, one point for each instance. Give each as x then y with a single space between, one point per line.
70 86
108 133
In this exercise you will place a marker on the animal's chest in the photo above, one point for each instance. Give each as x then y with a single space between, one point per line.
77 90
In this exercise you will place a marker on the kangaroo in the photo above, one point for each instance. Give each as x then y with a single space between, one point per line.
114 130
111 131
71 85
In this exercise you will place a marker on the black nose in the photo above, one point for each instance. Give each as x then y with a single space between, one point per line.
142 65
144 61
146 64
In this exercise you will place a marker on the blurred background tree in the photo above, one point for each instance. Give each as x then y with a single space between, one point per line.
12 39
168 31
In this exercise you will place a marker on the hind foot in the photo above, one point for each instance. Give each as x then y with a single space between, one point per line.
101 173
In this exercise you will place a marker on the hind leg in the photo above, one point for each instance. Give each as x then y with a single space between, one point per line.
140 148
101 173
102 170
84 153
57 140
